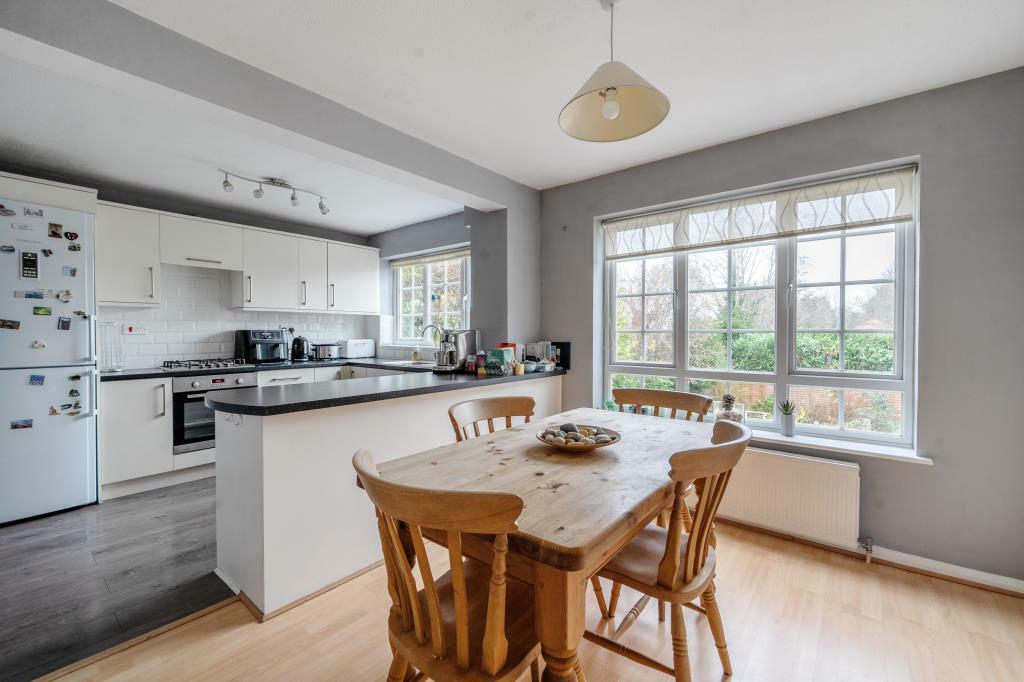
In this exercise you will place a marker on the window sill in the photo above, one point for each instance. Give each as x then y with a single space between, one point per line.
838 446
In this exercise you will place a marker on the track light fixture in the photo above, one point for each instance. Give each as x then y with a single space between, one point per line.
272 182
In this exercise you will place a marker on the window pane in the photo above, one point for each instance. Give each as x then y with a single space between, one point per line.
708 311
759 399
708 387
817 351
658 347
870 353
628 277
874 411
818 260
753 352
626 381
658 275
659 312
753 266
871 256
754 309
407 302
660 383
707 351
816 406
628 312
708 270
627 346
454 268
436 274
870 306
871 205
452 321
817 308
405 276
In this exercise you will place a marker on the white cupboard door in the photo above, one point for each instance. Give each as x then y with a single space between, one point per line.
127 256
312 275
270 278
353 279
136 429
332 373
200 243
286 377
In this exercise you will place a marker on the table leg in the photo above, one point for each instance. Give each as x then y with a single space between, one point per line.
560 600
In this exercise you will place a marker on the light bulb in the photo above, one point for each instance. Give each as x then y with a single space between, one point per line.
295 198
610 109
228 187
323 207
258 192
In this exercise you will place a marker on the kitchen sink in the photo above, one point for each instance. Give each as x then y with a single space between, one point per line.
407 363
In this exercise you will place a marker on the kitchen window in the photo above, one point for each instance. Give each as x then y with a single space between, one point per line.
803 293
431 290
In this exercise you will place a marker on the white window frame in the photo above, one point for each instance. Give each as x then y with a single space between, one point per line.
785 375
427 309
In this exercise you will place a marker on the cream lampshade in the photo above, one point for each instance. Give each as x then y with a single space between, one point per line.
589 116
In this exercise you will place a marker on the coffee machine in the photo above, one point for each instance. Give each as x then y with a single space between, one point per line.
456 346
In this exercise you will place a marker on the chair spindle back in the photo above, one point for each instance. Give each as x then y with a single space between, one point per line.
676 401
469 413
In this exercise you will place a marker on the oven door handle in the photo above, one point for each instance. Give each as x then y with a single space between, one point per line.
195 395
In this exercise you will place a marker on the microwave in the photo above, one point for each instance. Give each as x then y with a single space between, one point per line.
357 348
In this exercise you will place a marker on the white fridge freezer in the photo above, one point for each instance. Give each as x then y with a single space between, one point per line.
47 339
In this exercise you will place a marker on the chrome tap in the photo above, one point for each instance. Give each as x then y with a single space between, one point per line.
440 332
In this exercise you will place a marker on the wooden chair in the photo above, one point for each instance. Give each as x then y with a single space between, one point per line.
473 623
470 413
677 567
692 405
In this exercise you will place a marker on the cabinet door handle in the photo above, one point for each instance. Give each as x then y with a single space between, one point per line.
152 282
332 294
163 392
285 378
249 277
203 260
303 292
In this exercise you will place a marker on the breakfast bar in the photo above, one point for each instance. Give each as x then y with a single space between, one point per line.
290 521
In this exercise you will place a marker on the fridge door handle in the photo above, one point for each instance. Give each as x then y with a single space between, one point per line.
94 385
90 333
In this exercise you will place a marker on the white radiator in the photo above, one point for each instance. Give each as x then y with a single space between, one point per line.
812 498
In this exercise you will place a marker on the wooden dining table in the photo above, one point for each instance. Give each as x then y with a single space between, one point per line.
580 508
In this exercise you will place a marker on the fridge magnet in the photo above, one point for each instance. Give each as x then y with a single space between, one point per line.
75 377
53 411
71 236
4 211
20 226
42 310
34 212
47 252
70 271
21 424
77 405
74 246
10 324
63 323
56 230
36 379
65 406
65 295
29 265
39 344
81 314
32 293
75 413
74 393
7 248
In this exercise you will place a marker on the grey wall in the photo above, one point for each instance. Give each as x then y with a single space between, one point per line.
430 235
967 509
490 274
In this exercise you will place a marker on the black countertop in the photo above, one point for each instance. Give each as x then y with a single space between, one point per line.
154 372
264 402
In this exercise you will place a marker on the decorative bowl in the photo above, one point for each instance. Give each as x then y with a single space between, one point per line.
581 447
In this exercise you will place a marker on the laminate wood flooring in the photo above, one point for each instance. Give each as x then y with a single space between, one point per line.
77 583
791 612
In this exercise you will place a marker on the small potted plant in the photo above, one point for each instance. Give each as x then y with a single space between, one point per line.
788 410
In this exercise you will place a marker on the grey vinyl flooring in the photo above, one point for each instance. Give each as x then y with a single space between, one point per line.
79 582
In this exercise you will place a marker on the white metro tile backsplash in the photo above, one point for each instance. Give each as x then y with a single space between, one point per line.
195 320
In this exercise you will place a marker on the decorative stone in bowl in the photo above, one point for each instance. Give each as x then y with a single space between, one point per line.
578 438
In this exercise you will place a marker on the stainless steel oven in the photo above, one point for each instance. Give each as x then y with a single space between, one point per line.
193 420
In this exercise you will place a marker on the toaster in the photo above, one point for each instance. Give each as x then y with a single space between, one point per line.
358 348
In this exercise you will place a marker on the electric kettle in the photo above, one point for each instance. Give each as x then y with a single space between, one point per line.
301 349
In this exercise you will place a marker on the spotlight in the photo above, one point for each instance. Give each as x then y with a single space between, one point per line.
295 198
228 187
323 207
258 192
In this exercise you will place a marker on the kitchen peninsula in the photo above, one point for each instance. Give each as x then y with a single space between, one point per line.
290 520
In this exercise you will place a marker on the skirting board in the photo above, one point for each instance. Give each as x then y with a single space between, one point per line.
141 485
264 617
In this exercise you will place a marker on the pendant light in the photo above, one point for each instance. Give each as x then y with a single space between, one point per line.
615 103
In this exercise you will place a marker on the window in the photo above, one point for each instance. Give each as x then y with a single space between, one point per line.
803 294
431 290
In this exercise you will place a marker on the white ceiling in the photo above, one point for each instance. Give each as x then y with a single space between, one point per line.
75 128
485 79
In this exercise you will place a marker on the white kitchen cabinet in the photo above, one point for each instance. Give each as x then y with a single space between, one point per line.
372 372
270 276
200 243
359 372
353 279
312 275
136 429
332 373
286 377
127 256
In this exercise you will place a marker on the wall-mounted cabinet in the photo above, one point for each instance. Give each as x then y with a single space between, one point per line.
127 256
353 279
270 271
200 243
312 274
